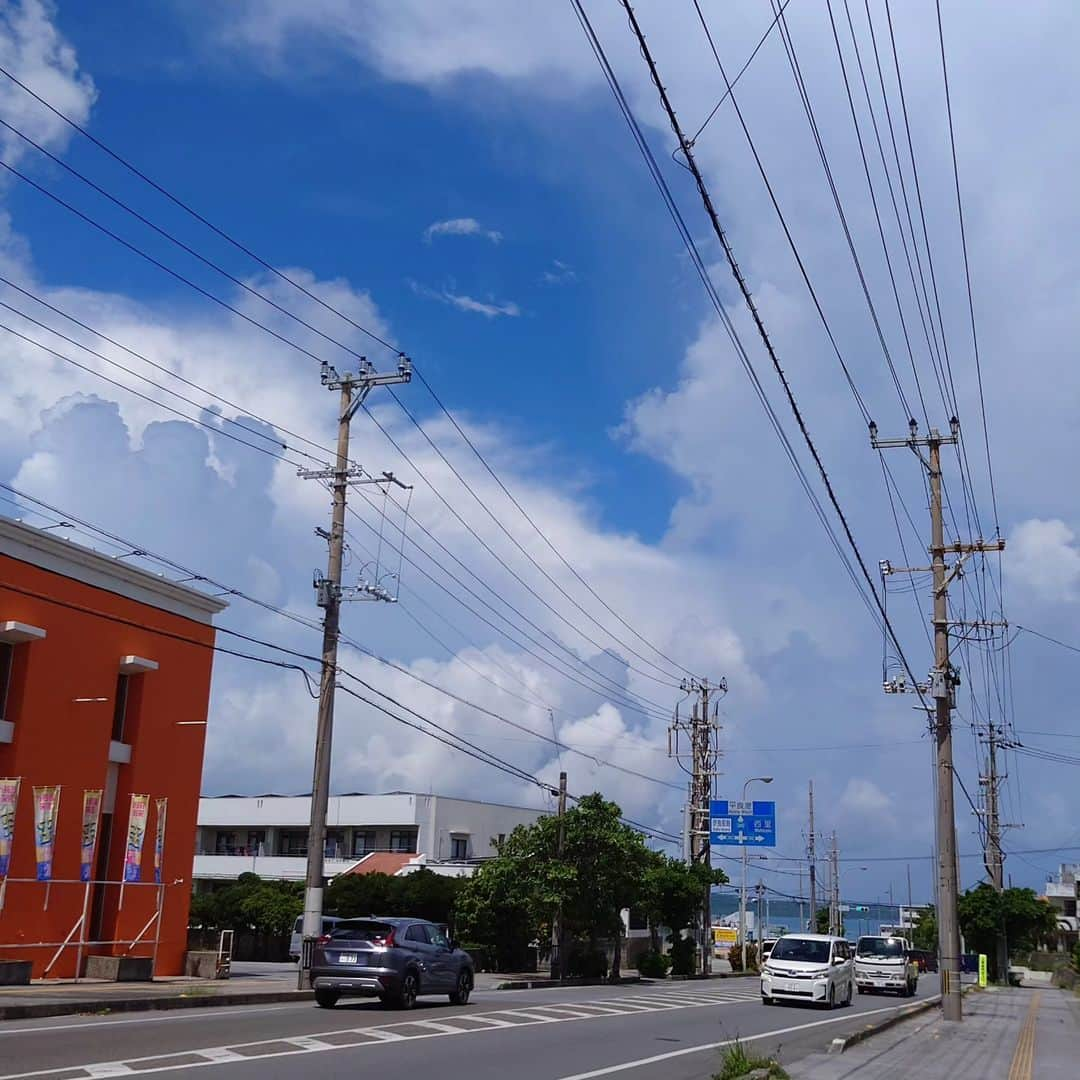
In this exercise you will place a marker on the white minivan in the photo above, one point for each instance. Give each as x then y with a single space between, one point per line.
297 939
809 967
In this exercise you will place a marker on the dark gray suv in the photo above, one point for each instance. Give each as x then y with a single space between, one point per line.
391 959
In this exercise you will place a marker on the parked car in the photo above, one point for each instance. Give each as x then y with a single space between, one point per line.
885 963
926 960
815 968
394 960
766 948
297 939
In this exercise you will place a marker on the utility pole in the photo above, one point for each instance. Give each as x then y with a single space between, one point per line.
836 920
745 863
353 389
813 863
557 971
910 916
703 731
992 854
943 681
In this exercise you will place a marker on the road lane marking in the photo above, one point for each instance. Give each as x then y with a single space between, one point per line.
219 1013
216 1055
373 1036
608 1070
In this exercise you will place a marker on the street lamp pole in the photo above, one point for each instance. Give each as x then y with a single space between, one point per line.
742 892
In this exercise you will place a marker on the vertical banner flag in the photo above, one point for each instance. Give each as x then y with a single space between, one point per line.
9 799
46 811
91 819
140 808
162 805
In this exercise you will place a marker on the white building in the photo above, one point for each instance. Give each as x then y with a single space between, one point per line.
267 834
1063 895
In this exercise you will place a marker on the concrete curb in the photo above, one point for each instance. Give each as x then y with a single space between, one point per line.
40 1009
554 984
838 1046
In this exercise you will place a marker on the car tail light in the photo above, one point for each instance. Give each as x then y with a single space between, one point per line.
323 940
388 941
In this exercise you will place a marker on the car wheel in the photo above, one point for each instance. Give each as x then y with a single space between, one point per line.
830 1002
405 998
850 994
460 996
326 999
767 1000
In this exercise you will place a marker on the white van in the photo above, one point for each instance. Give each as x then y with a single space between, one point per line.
297 939
816 968
885 963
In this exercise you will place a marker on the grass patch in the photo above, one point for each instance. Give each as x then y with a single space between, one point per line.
735 1062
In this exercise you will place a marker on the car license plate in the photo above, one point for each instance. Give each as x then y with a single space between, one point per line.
346 958
789 986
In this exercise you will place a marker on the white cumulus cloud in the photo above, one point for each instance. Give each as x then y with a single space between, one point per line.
462 226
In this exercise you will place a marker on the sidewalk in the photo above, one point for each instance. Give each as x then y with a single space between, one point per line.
1006 1034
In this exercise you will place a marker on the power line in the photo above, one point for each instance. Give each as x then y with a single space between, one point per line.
312 625
744 289
706 279
967 267
742 71
303 290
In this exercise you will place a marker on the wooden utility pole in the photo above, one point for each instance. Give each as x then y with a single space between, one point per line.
557 966
942 687
993 857
354 389
704 752
812 857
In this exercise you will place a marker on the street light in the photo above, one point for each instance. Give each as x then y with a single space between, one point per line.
742 892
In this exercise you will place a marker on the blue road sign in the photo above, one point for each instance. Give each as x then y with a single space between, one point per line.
738 824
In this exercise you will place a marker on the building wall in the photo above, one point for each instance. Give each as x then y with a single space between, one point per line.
436 821
58 739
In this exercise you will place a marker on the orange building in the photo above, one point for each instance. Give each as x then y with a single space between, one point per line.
104 686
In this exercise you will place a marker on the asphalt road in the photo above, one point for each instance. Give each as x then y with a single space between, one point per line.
646 1032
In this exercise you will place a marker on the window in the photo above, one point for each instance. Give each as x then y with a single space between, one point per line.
638 919
120 707
502 840
7 662
256 842
459 847
335 843
293 842
403 841
363 843
436 937
416 933
225 843
807 950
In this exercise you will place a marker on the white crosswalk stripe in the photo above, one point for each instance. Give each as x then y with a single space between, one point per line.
667 998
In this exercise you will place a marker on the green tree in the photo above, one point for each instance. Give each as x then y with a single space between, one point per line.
512 899
671 896
264 907
925 934
423 893
821 920
272 907
1018 913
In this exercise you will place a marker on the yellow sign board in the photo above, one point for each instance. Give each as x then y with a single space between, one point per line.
725 936
982 969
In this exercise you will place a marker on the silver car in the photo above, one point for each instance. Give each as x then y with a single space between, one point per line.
392 959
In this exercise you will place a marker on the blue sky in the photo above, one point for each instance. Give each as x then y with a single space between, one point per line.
566 329
340 170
